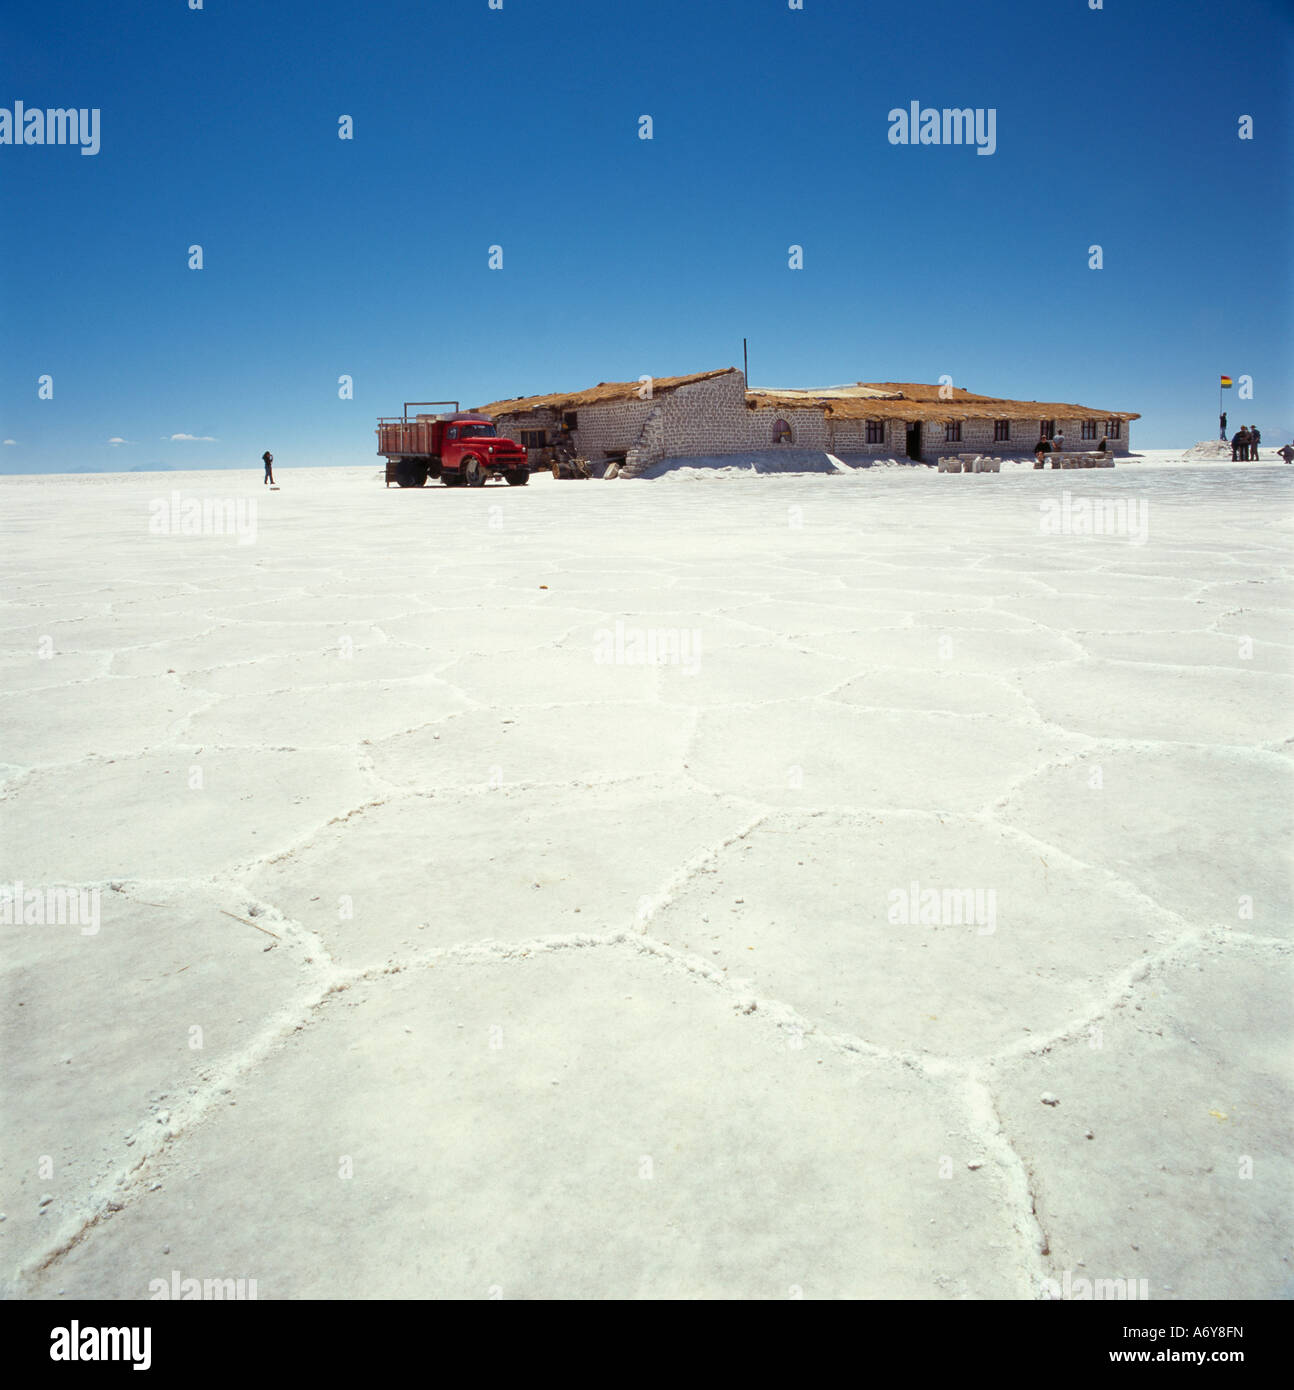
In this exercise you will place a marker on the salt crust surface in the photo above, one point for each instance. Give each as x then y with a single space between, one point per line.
587 973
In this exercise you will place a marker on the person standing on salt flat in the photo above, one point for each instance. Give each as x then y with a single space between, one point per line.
267 459
1254 440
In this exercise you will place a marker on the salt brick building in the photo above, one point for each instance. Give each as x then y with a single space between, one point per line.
638 425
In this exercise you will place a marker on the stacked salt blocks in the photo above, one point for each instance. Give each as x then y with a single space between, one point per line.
970 463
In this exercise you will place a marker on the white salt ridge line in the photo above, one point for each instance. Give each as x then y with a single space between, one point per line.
1172 920
1122 986
112 1192
1022 1201
305 840
987 1132
689 869
102 1200
124 1184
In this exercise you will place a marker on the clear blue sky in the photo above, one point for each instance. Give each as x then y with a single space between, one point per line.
519 127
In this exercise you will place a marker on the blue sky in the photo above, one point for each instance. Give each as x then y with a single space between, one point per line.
519 127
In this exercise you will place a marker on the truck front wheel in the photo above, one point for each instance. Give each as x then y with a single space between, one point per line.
473 471
518 478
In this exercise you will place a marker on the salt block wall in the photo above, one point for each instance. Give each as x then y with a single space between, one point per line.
513 425
610 427
977 437
708 417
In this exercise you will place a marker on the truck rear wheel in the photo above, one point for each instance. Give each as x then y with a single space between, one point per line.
518 478
473 471
411 475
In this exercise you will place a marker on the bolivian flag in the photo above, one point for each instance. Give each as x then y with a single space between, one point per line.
1226 381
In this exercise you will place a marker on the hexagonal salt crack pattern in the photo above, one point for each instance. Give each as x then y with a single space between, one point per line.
1263 625
955 692
746 675
316 609
1076 613
116 632
494 629
29 670
1186 704
1204 832
1213 649
833 915
592 1123
937 649
340 662
1185 1181
418 873
98 820
579 743
549 676
820 753
331 716
106 715
237 645
95 1076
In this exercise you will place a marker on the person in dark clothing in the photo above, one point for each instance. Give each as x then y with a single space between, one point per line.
267 459
1222 425
1287 453
1237 443
1104 446
1040 451
1255 439
1244 443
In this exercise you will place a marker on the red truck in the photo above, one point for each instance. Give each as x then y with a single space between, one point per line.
458 447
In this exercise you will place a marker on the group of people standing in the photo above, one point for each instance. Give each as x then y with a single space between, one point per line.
1244 444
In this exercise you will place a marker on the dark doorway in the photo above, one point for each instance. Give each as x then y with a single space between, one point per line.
914 440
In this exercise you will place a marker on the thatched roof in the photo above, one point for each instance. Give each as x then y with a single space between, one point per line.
915 400
864 400
597 395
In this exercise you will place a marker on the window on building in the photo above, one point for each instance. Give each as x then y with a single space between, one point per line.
781 432
1001 431
1113 428
534 439
571 420
1047 428
876 431
1089 429
953 432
